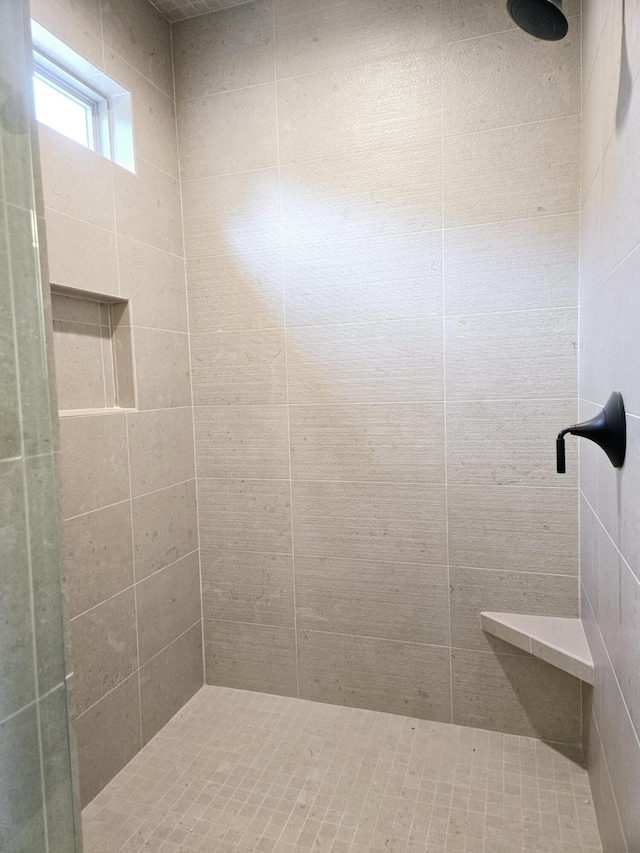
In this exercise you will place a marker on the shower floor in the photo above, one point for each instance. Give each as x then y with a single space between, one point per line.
238 772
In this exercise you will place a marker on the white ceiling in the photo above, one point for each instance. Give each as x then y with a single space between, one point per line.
177 10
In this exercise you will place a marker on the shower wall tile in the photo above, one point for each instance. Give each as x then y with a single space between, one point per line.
162 368
165 527
402 442
475 590
516 694
377 194
103 648
396 601
136 195
245 515
76 181
496 259
484 80
358 280
98 556
251 657
94 258
161 449
54 725
506 443
245 587
232 214
520 355
381 521
108 737
242 441
231 292
153 281
240 367
591 265
232 49
398 101
168 604
513 529
154 115
93 465
68 22
169 680
140 35
512 172
366 672
317 36
462 20
228 132
399 361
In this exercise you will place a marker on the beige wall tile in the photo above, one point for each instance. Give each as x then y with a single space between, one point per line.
154 117
235 292
86 13
398 102
247 587
490 267
402 442
80 378
366 362
161 449
483 182
250 657
76 24
76 181
232 214
166 386
81 255
165 527
484 80
242 441
103 648
230 49
591 261
313 37
168 603
358 280
238 368
154 281
93 464
397 601
382 521
108 737
465 19
228 132
509 443
354 196
169 680
609 826
516 694
405 678
245 515
520 355
136 195
98 556
513 528
140 35
475 590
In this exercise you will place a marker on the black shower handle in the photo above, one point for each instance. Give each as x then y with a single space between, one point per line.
608 429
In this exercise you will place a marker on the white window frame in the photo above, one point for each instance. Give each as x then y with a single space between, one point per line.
109 103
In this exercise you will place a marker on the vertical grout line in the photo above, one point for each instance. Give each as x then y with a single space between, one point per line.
444 361
135 592
286 355
186 298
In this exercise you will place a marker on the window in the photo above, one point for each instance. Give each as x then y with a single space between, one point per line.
80 101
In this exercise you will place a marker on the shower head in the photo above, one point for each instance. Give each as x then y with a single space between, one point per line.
543 19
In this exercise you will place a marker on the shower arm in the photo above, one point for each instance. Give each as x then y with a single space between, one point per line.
607 429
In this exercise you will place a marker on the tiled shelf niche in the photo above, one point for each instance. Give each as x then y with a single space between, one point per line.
93 352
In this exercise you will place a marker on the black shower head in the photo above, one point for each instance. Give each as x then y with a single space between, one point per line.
541 18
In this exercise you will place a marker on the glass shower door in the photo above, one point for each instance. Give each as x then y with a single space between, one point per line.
36 791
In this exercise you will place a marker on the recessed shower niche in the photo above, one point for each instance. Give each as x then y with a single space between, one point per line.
93 352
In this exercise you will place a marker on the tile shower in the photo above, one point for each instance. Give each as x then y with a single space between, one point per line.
310 360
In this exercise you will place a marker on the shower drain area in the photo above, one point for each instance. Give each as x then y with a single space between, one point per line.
93 352
240 772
